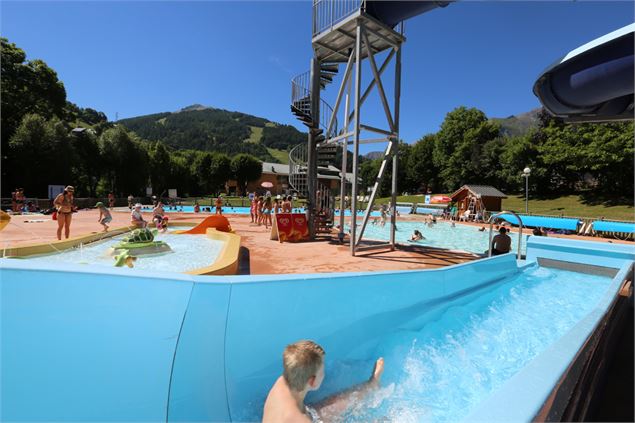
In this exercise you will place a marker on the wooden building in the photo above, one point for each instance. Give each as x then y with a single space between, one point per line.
478 198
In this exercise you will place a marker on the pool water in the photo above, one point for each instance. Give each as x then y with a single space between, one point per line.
441 235
189 252
461 352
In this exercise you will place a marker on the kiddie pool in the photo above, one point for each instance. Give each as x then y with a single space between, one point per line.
104 344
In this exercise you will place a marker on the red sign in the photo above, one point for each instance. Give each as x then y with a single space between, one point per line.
290 227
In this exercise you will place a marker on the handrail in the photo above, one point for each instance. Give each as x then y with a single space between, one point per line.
300 92
327 13
520 234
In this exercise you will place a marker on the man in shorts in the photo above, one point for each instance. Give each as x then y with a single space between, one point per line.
303 364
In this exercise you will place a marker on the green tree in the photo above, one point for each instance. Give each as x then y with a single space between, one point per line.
87 166
246 168
459 145
160 167
28 87
125 161
220 171
420 168
42 145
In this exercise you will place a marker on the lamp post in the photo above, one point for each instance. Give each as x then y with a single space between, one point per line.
526 173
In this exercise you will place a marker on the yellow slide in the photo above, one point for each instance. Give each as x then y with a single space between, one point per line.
4 219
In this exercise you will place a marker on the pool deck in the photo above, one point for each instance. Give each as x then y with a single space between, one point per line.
265 256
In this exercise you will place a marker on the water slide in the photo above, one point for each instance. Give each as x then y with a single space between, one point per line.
594 82
219 223
108 344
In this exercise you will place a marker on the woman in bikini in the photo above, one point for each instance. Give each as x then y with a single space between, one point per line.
64 205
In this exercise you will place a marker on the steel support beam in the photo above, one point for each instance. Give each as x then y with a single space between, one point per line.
395 157
356 130
340 93
372 83
312 147
344 162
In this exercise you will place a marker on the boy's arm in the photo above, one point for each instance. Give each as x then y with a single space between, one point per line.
331 408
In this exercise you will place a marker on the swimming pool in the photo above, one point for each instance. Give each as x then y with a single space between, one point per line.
240 210
459 352
441 235
189 252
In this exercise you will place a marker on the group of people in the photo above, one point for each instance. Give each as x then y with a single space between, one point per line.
19 203
263 207
159 218
218 203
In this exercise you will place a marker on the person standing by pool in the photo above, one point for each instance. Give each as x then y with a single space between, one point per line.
252 209
136 218
130 201
64 205
303 371
266 211
157 215
502 243
259 210
286 204
219 205
111 199
197 207
104 215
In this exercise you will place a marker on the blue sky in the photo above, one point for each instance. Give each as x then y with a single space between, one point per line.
135 58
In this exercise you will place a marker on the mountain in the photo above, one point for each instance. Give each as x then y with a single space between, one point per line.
520 124
204 128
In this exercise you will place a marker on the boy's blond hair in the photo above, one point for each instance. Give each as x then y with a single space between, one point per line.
301 360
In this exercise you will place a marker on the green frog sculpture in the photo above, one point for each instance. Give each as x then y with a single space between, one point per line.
140 242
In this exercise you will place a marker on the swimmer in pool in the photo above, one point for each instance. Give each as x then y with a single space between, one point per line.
416 236
303 364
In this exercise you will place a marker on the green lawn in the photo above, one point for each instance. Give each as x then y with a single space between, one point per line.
571 205
281 155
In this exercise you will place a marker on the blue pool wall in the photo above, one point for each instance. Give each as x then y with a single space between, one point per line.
82 343
523 396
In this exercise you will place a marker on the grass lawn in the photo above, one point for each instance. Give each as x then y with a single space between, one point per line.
571 205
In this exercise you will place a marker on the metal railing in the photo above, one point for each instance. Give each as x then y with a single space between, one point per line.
327 13
299 87
520 231
298 179
300 95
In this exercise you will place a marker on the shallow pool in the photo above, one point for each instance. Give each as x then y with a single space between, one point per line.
189 252
462 351
441 235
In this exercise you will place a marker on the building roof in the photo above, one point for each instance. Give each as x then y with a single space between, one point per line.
275 168
481 190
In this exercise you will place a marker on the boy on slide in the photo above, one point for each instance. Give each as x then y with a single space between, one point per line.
303 364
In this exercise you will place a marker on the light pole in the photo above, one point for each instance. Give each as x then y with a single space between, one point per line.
526 173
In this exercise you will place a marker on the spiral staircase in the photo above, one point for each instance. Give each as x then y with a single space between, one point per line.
298 156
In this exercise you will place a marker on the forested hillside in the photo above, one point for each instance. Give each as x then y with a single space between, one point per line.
208 129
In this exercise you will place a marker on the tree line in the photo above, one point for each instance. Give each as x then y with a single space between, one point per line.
591 159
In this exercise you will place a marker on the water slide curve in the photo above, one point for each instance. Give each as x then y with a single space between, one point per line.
593 83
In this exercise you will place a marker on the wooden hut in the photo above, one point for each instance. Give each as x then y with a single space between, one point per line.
478 198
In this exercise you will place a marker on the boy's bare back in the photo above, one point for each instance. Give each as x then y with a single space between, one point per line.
281 406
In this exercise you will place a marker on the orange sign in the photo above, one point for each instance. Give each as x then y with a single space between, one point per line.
290 227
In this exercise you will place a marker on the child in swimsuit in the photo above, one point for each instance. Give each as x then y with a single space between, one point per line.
104 215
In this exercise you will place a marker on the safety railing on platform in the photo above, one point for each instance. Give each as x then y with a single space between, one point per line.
327 13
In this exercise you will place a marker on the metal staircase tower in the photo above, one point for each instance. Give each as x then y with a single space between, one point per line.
343 32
